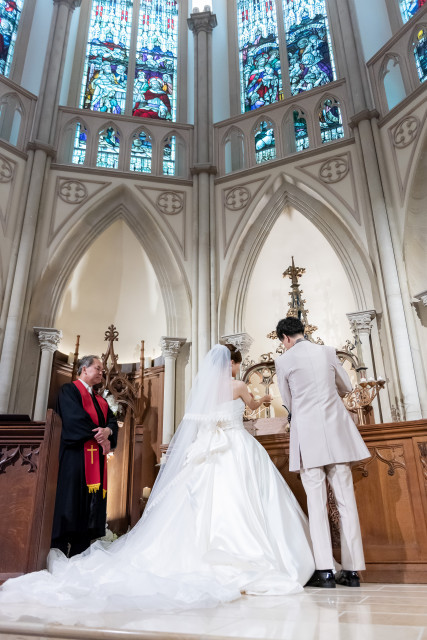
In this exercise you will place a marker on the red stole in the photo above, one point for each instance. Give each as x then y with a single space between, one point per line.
91 447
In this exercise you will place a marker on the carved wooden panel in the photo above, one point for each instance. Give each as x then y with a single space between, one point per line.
391 494
28 472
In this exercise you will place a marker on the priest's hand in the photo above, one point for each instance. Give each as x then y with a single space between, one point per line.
101 435
106 448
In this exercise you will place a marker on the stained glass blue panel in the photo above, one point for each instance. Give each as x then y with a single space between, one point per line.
108 149
308 41
330 121
265 143
107 56
10 12
259 59
140 156
408 8
80 142
420 53
300 128
169 156
154 93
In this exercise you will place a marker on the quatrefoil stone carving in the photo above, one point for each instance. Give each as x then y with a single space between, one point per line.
237 198
333 170
72 192
170 203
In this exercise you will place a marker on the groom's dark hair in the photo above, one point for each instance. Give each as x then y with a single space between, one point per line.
289 327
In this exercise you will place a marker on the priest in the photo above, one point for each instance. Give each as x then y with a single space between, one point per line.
89 432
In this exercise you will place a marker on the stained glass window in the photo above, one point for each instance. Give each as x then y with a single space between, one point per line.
265 143
140 156
300 128
169 156
108 148
154 92
330 120
80 142
10 12
308 41
107 56
408 8
420 53
260 72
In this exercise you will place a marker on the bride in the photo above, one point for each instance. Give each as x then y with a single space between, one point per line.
220 521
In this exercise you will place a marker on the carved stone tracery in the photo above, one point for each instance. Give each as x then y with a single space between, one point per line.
237 198
170 203
171 346
406 131
72 191
6 170
334 170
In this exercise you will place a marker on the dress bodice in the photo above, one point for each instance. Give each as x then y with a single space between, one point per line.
232 416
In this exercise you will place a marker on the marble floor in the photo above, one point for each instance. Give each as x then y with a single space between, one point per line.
373 612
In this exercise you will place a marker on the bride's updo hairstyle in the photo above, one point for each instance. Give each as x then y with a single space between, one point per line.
235 355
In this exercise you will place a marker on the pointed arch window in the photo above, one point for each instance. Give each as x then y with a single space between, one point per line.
141 152
309 46
265 142
154 91
420 53
10 13
409 8
330 120
169 156
115 51
300 130
108 148
80 143
259 58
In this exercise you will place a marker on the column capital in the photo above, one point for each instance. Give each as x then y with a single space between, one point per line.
421 297
202 21
242 342
71 4
49 338
171 346
361 321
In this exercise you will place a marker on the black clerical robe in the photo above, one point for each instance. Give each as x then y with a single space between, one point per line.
76 510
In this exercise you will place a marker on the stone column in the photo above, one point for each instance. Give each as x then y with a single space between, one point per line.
170 350
204 293
364 123
242 342
361 325
49 340
40 150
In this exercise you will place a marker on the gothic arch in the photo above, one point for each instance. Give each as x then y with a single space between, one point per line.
251 240
121 203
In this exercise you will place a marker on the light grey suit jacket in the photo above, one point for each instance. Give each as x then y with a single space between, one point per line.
311 380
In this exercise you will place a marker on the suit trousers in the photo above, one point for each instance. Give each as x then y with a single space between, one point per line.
340 480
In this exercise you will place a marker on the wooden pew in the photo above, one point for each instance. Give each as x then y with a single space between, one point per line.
28 474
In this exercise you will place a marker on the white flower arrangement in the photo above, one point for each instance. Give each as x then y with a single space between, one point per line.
115 407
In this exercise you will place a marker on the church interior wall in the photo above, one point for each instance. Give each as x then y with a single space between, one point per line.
325 186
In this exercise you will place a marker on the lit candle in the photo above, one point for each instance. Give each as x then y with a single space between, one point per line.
146 492
147 362
362 379
371 379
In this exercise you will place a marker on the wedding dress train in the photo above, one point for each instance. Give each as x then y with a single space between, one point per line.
226 524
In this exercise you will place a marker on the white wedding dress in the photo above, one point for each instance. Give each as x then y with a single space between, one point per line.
226 524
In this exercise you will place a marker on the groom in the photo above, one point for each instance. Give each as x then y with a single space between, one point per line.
323 442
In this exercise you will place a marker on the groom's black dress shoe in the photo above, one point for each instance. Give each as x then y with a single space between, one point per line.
323 579
347 578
